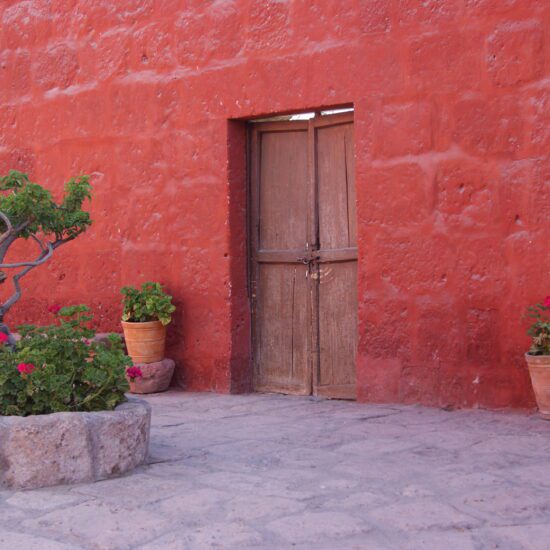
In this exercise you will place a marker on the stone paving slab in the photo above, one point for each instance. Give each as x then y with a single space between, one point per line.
278 472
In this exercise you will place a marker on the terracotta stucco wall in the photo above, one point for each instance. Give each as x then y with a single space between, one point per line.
452 139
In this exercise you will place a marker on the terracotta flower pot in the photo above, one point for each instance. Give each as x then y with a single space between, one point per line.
539 369
145 341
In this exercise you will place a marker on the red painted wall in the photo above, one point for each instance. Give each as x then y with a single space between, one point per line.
452 136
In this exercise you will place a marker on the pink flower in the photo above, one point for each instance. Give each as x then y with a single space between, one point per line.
3 338
547 301
134 372
25 368
54 308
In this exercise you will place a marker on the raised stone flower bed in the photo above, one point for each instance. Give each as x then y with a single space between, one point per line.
73 447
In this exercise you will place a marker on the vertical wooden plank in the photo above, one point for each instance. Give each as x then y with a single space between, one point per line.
283 191
337 280
253 237
338 329
280 196
282 363
333 186
350 181
313 268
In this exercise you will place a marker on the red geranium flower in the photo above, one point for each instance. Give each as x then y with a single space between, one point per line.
134 372
25 368
3 338
547 301
54 308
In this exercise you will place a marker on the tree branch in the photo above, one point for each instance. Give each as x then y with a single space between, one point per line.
9 227
44 256
21 226
57 243
8 237
40 243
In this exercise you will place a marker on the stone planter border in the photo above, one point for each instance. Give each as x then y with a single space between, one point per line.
73 447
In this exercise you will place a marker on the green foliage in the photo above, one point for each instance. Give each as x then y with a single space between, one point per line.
148 304
62 370
31 208
540 329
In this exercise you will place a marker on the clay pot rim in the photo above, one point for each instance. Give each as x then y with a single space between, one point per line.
537 360
141 324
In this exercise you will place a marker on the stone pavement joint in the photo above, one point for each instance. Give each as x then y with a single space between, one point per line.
276 472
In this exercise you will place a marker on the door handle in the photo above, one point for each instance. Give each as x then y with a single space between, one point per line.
308 259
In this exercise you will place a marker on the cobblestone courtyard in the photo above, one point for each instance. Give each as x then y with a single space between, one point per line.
276 472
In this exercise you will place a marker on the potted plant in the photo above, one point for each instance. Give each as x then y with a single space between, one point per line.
146 312
538 356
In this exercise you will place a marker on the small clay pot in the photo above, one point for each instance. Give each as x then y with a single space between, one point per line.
539 370
155 377
145 341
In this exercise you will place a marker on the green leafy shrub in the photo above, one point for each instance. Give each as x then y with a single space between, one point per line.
540 329
31 209
28 211
59 368
148 304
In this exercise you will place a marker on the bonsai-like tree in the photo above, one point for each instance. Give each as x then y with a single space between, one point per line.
27 211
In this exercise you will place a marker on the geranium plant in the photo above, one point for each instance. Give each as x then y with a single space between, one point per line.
27 211
60 367
540 329
150 303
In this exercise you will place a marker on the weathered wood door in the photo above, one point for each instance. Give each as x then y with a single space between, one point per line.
304 256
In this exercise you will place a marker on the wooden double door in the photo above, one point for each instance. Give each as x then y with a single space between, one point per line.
303 256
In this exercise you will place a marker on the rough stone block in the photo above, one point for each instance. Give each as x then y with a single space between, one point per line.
419 385
421 260
447 60
539 111
375 16
464 193
381 66
45 450
156 377
429 12
404 129
71 447
490 7
113 54
56 67
409 188
515 54
484 126
154 48
23 23
268 25
15 66
119 439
